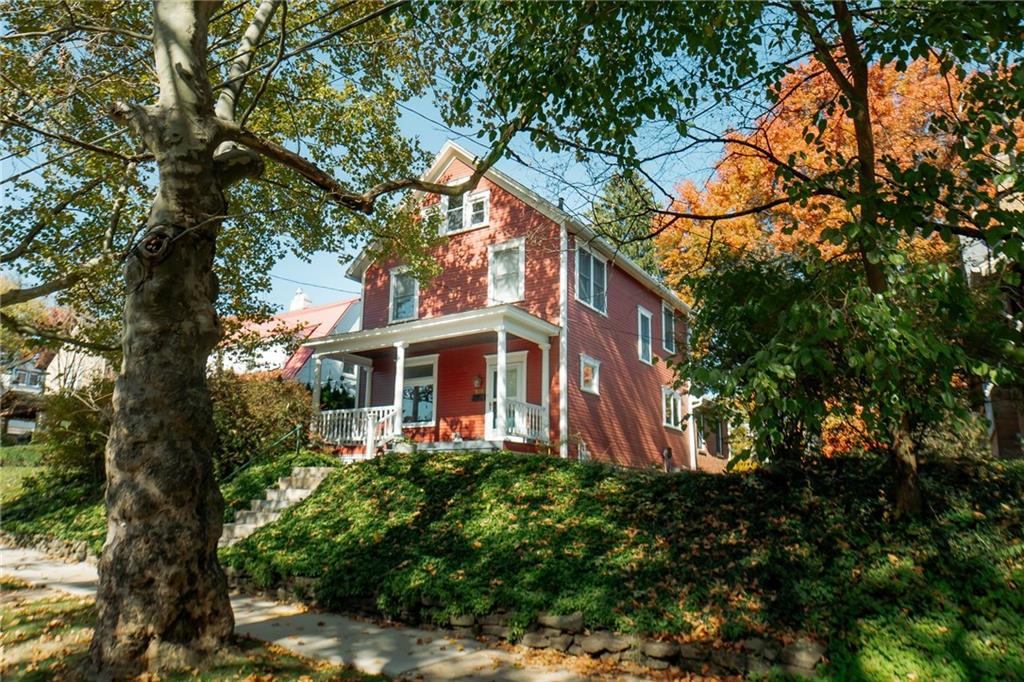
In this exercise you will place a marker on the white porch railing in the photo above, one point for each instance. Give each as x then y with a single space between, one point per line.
526 420
369 425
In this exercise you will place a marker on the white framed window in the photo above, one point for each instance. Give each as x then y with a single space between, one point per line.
582 451
590 374
644 334
466 211
506 274
405 296
698 432
672 408
419 391
592 280
668 328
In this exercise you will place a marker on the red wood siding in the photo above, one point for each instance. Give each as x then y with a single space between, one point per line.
455 408
622 425
462 284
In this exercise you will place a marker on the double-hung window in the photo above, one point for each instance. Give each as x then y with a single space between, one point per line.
506 273
418 391
591 280
668 328
405 294
672 416
466 211
644 334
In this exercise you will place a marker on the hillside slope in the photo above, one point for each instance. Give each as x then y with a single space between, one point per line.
692 556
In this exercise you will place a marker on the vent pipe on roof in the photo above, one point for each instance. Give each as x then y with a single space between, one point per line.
299 301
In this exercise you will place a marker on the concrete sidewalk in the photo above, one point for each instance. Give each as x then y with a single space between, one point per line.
392 651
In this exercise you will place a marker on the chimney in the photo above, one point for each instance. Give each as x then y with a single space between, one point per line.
299 301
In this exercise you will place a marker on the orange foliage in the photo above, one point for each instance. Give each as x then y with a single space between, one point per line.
902 103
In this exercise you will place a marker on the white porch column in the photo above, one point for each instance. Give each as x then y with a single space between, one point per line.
368 373
691 428
399 383
317 374
545 387
499 386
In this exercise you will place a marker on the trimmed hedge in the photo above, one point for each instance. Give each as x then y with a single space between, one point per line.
691 556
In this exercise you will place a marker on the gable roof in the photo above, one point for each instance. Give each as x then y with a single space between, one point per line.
451 151
313 322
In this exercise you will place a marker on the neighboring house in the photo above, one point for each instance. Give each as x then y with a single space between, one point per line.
533 318
21 388
303 321
73 368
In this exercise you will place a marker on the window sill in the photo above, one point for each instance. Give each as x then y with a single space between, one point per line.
465 229
587 390
418 425
673 428
405 319
491 302
583 303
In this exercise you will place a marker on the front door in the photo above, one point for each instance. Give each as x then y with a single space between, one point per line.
515 389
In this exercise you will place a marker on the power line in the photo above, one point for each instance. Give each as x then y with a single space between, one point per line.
315 286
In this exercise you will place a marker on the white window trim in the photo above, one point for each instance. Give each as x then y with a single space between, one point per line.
576 287
419 361
642 312
467 213
584 360
665 336
400 270
677 397
517 243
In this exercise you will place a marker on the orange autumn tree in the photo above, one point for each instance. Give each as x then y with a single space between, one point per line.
806 131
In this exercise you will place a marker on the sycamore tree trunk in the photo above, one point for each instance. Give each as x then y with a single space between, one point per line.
162 598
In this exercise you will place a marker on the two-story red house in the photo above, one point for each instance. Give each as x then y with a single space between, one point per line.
533 318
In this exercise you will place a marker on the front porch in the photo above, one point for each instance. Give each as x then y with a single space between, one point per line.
442 382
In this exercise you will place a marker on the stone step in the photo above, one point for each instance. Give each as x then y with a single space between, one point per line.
289 495
259 518
269 505
290 490
309 481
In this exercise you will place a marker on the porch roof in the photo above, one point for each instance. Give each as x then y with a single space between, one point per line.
514 320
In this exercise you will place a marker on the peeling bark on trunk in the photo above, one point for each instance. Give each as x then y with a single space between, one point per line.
162 597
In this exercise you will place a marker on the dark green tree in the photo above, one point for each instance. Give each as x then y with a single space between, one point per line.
624 214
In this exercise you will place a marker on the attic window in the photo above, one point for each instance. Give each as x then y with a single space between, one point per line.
466 211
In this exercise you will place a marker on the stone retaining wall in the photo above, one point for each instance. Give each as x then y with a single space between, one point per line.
65 550
568 634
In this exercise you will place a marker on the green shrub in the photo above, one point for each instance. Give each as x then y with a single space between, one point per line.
58 504
73 434
20 455
250 412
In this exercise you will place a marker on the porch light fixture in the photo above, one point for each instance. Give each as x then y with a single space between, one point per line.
478 381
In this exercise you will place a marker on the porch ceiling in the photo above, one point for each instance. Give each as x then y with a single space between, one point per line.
474 326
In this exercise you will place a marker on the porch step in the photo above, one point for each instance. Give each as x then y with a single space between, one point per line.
288 491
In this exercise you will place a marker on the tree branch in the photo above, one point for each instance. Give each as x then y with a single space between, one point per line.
25 329
67 281
226 102
364 202
13 119
270 72
31 235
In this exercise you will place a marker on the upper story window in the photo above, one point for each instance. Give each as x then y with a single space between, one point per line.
466 211
506 273
643 324
668 328
673 404
591 280
405 295
26 377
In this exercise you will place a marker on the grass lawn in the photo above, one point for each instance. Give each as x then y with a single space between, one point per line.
45 635
16 462
691 557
